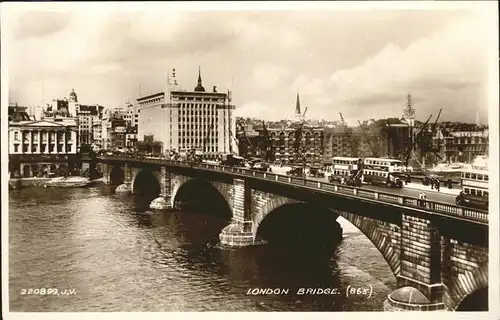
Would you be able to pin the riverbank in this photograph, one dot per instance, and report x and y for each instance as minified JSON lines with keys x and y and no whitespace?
{"x":19,"y":183}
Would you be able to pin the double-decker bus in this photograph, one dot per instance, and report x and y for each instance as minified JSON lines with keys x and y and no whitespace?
{"x":475,"y":186}
{"x":383,"y":171}
{"x":347,"y":168}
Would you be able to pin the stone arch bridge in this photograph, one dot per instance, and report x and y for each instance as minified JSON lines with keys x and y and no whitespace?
{"x":437,"y":252}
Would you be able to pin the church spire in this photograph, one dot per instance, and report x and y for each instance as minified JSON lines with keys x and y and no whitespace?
{"x":199,"y":87}
{"x":297,"y":105}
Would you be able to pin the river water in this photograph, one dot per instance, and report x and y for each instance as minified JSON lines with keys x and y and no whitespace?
{"x":103,"y":252}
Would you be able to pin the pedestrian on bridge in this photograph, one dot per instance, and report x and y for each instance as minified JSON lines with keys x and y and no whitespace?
{"x":422,"y":197}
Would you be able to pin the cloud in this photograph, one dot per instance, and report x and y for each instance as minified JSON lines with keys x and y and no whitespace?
{"x":310,"y":86}
{"x":438,"y":70}
{"x":268,"y":76}
{"x":256,"y":110}
{"x":39,"y":24}
{"x":334,"y":64}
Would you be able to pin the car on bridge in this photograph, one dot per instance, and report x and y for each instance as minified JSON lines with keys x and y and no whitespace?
{"x":296,"y":171}
{"x":260,"y":166}
{"x":233,"y":160}
{"x":316,"y":172}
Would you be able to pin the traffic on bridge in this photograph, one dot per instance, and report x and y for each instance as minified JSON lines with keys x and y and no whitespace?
{"x":401,"y":199}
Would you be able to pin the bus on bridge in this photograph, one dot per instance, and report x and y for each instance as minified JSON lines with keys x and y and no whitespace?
{"x":475,"y":187}
{"x":382,"y":171}
{"x":346,"y":168}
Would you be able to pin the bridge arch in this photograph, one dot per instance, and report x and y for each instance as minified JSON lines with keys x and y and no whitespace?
{"x":270,"y":205}
{"x":372,"y":229}
{"x":307,"y":224}
{"x":146,"y":182}
{"x":469,"y":288}
{"x":387,"y":245}
{"x":116,"y":176}
{"x":203,"y":196}
{"x":476,"y":301}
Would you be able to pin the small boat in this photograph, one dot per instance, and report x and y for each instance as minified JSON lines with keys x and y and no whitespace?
{"x":67,"y":182}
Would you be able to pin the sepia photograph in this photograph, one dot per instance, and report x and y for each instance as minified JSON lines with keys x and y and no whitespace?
{"x":233,"y":157}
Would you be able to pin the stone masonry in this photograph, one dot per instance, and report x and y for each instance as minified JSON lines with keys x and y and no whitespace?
{"x":164,"y":200}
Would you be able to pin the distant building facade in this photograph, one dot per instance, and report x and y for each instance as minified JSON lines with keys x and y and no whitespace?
{"x":113,"y":129}
{"x":465,"y":146}
{"x":85,"y":115}
{"x":292,"y":148}
{"x":131,"y":137}
{"x":186,"y":120}
{"x":338,"y":142}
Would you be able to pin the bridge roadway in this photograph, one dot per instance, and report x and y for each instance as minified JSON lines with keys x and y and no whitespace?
{"x":430,"y":206}
{"x":431,"y":195}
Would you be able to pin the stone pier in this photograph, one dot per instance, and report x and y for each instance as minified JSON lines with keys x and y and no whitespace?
{"x":239,"y":233}
{"x":126,"y":187}
{"x":164,"y":200}
{"x":420,"y":276}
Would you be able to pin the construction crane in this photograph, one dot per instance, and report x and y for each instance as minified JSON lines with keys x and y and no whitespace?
{"x":354,"y":150}
{"x":433,"y":134}
{"x":415,"y":138}
{"x":235,"y":140}
{"x":435,"y":122}
{"x":375,"y":153}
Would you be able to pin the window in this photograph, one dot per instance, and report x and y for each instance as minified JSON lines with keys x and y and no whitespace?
{"x":473,"y":192}
{"x":16,"y":147}
{"x":16,"y":136}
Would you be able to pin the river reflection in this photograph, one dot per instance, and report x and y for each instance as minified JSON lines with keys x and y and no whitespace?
{"x":121,"y":256}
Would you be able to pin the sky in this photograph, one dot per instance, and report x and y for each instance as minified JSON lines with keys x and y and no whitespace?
{"x":361,"y":63}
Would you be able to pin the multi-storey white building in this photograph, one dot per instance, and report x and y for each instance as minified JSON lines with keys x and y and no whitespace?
{"x":57,"y":136}
{"x":42,"y":146}
{"x":186,"y":120}
{"x":97,"y":134}
{"x":131,"y":115}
